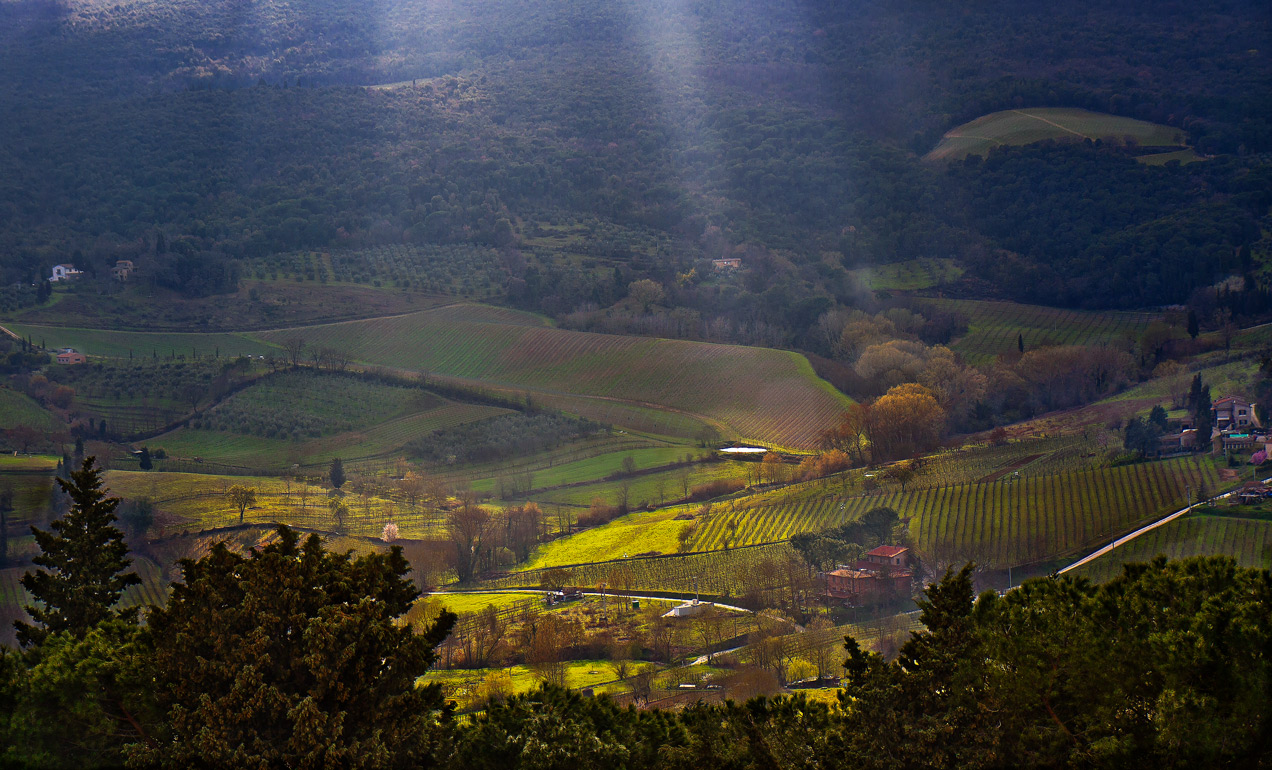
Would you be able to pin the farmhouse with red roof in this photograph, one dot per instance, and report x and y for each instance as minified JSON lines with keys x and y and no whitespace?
{"x":882,"y":574}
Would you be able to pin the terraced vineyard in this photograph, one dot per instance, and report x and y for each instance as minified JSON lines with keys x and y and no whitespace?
{"x":999,"y":523}
{"x":1249,"y":541}
{"x":993,"y":327}
{"x":758,"y":393}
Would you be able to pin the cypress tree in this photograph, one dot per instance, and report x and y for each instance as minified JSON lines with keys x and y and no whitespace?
{"x":86,"y":558}
{"x":337,"y":473}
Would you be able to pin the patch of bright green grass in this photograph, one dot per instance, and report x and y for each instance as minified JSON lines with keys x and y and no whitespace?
{"x":628,"y":535}
{"x":467,"y":604}
{"x":10,"y":462}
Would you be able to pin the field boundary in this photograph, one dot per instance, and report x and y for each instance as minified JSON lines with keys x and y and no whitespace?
{"x":1142,"y":530}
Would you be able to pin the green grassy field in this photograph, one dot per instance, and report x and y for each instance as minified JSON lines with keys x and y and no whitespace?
{"x":20,"y":409}
{"x":461,"y":685}
{"x":266,"y":453}
{"x":1249,"y":541}
{"x":467,"y":604}
{"x":1162,"y":158}
{"x":192,"y":502}
{"x":716,"y":573}
{"x":636,"y":533}
{"x":994,"y":327}
{"x":1017,"y":127}
{"x":757,"y":393}
{"x":598,"y":467}
{"x":28,"y":462}
{"x":122,"y":344}
{"x":911,"y":275}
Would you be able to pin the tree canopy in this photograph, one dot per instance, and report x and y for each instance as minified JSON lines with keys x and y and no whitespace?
{"x":85,"y":559}
{"x":293,"y":656}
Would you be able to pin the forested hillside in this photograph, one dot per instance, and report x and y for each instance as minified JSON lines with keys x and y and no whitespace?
{"x":192,"y":136}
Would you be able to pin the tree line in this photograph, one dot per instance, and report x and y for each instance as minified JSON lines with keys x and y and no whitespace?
{"x":291,"y":655}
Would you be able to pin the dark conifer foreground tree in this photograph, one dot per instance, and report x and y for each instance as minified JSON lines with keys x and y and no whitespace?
{"x":86,"y":559}
{"x":294,"y":657}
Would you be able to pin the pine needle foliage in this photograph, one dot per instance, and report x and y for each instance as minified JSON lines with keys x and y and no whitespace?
{"x":294,"y":656}
{"x":85,"y":559}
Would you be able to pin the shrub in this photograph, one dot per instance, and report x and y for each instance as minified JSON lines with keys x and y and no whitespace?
{"x":716,"y":488}
{"x":599,"y":513}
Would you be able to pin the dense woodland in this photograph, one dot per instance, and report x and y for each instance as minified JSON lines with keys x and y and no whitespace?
{"x":192,"y":138}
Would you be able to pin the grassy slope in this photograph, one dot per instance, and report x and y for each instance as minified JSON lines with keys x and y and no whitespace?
{"x":19,"y":409}
{"x":645,"y":489}
{"x":994,"y":327}
{"x":910,"y":275}
{"x":758,"y":393}
{"x":597,"y":467}
{"x":628,"y":535}
{"x":122,"y":344}
{"x":378,"y":419}
{"x":1016,"y":127}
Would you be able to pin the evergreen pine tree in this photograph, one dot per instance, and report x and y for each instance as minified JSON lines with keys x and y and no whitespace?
{"x":293,"y":656}
{"x":1020,"y":342}
{"x":337,"y":473}
{"x":86,"y":558}
{"x":145,"y":459}
{"x":1194,"y":328}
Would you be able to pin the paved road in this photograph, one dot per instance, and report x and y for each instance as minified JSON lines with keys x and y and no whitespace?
{"x":1148,"y":528}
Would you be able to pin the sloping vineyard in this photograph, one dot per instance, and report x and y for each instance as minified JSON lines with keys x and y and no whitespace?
{"x":1249,"y":541}
{"x":999,"y":523}
{"x":994,"y":328}
{"x":763,"y":394}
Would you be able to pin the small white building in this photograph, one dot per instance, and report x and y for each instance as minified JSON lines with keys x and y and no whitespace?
{"x":63,"y":272}
{"x":689,"y":609}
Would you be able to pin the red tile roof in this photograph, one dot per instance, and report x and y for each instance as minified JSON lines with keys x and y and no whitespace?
{"x":887,"y":551}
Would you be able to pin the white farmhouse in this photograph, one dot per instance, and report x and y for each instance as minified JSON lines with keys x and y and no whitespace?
{"x":63,"y":272}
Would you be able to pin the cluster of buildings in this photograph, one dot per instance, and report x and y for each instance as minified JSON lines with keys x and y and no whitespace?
{"x":65,"y":272}
{"x":882,"y":574}
{"x":1234,"y":426}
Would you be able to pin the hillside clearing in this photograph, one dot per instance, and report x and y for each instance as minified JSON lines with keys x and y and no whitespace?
{"x":1026,"y":126}
{"x":995,"y":328}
